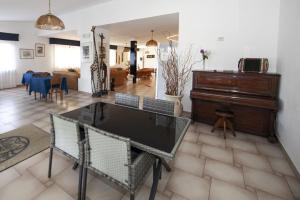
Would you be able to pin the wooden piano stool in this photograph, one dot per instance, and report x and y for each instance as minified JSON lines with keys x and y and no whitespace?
{"x":225,"y":119}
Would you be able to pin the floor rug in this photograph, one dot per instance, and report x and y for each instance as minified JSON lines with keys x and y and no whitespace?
{"x":22,"y":143}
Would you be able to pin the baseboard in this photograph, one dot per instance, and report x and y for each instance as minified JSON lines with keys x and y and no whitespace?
{"x":290,"y":161}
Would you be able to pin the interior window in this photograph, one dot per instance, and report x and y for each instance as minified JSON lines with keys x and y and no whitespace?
{"x":112,"y":57}
{"x":7,"y":56}
{"x":66,"y":56}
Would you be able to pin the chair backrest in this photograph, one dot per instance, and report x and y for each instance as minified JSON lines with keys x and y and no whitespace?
{"x":127,"y":100}
{"x":108,"y":154}
{"x":41,"y":74}
{"x":158,"y":105}
{"x":56,"y":79}
{"x":65,"y":135}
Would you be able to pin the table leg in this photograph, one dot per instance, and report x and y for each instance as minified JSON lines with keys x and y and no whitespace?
{"x":156,"y":176}
{"x":34,"y":95}
{"x":166,"y":165}
{"x":75,"y":166}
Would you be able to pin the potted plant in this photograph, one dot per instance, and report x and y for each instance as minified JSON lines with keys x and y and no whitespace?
{"x":176,"y":70}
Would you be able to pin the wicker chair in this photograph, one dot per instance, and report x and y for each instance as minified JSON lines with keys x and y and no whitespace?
{"x":65,"y":138}
{"x":158,"y":105}
{"x":127,"y":100}
{"x":111,"y":156}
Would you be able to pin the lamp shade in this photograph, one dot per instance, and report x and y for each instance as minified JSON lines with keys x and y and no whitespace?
{"x":151,"y":43}
{"x":49,"y":22}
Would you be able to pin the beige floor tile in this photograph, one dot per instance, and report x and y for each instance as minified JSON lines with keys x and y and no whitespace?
{"x":68,"y":180}
{"x":40,"y":170}
{"x":191,"y":137}
{"x":281,"y":165}
{"x":98,"y":189}
{"x":162,"y":184}
{"x":257,"y":139}
{"x":241,"y":145}
{"x":225,"y":172}
{"x":53,"y":192}
{"x":212,"y":140}
{"x":252,"y":160}
{"x":221,"y":190}
{"x":177,"y":197}
{"x":265,"y":196}
{"x":205,"y":128}
{"x":189,"y":186}
{"x":216,"y":153}
{"x":294,"y":185}
{"x":189,"y":164}
{"x":270,"y":150}
{"x":22,"y":166}
{"x":190,"y":148}
{"x":143,"y":194}
{"x":267,"y":182}
{"x":8,"y":176}
{"x":25,"y":187}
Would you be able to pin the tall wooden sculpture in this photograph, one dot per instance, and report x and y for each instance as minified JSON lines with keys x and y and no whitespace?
{"x":98,"y":69}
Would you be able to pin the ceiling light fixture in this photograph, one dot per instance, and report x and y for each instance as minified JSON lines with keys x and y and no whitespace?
{"x":173,"y":38}
{"x":152,"y":42}
{"x":49,"y":22}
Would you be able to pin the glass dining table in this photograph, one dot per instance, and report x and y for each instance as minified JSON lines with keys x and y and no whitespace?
{"x":155,"y":133}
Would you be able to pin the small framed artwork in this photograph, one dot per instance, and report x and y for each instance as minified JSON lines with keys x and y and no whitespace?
{"x":39,"y":50}
{"x":150,"y":56}
{"x":26,"y":53}
{"x":86,"y":52}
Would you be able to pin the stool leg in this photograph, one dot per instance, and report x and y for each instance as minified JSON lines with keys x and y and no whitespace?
{"x":216,"y":125}
{"x":230,"y":125}
{"x":224,"y":125}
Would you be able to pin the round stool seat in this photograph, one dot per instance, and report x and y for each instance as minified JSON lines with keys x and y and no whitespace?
{"x":222,"y":113}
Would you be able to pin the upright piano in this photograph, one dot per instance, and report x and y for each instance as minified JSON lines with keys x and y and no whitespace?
{"x":252,"y":97}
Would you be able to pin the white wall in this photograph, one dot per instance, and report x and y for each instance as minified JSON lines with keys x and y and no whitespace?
{"x":28,"y":37}
{"x":249,"y":27}
{"x":86,"y":36}
{"x":289,"y":67}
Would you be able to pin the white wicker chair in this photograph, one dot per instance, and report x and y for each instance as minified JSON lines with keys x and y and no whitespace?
{"x":127,"y":100}
{"x":110,"y":156}
{"x":158,"y":105}
{"x":65,"y":138}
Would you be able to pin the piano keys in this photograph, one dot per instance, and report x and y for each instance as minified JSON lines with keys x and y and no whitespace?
{"x":252,"y":97}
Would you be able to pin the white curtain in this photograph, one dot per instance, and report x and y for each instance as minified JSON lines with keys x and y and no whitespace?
{"x":7,"y":64}
{"x":66,"y":56}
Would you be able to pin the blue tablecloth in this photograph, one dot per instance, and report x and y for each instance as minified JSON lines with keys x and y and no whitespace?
{"x":40,"y":84}
{"x":43,"y":85}
{"x":26,"y":78}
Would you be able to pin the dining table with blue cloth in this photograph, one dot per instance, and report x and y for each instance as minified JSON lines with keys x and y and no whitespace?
{"x":42,"y":85}
{"x":26,"y":78}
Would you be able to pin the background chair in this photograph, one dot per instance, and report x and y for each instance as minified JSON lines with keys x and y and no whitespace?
{"x":56,"y":86}
{"x":127,"y":100}
{"x":65,"y":136}
{"x":158,"y":105}
{"x":110,"y":156}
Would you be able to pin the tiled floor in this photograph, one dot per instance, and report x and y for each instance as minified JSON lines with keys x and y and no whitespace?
{"x":206,"y":167}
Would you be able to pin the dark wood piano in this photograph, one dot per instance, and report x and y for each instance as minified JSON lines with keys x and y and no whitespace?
{"x":252,"y":97}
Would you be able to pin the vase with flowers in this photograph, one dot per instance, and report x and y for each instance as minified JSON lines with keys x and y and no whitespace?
{"x":205,"y":54}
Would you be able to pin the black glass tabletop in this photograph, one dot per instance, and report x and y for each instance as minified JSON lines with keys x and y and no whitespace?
{"x":158,"y":132}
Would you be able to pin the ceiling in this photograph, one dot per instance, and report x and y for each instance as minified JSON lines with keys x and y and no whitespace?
{"x":140,"y":30}
{"x":29,"y":10}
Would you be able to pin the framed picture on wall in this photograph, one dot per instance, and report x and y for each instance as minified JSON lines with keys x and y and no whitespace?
{"x":39,"y":50}
{"x":86,"y":52}
{"x":26,"y":53}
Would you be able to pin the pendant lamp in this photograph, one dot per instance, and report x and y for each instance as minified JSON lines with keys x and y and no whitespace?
{"x":49,"y":22}
{"x":152,"y":42}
